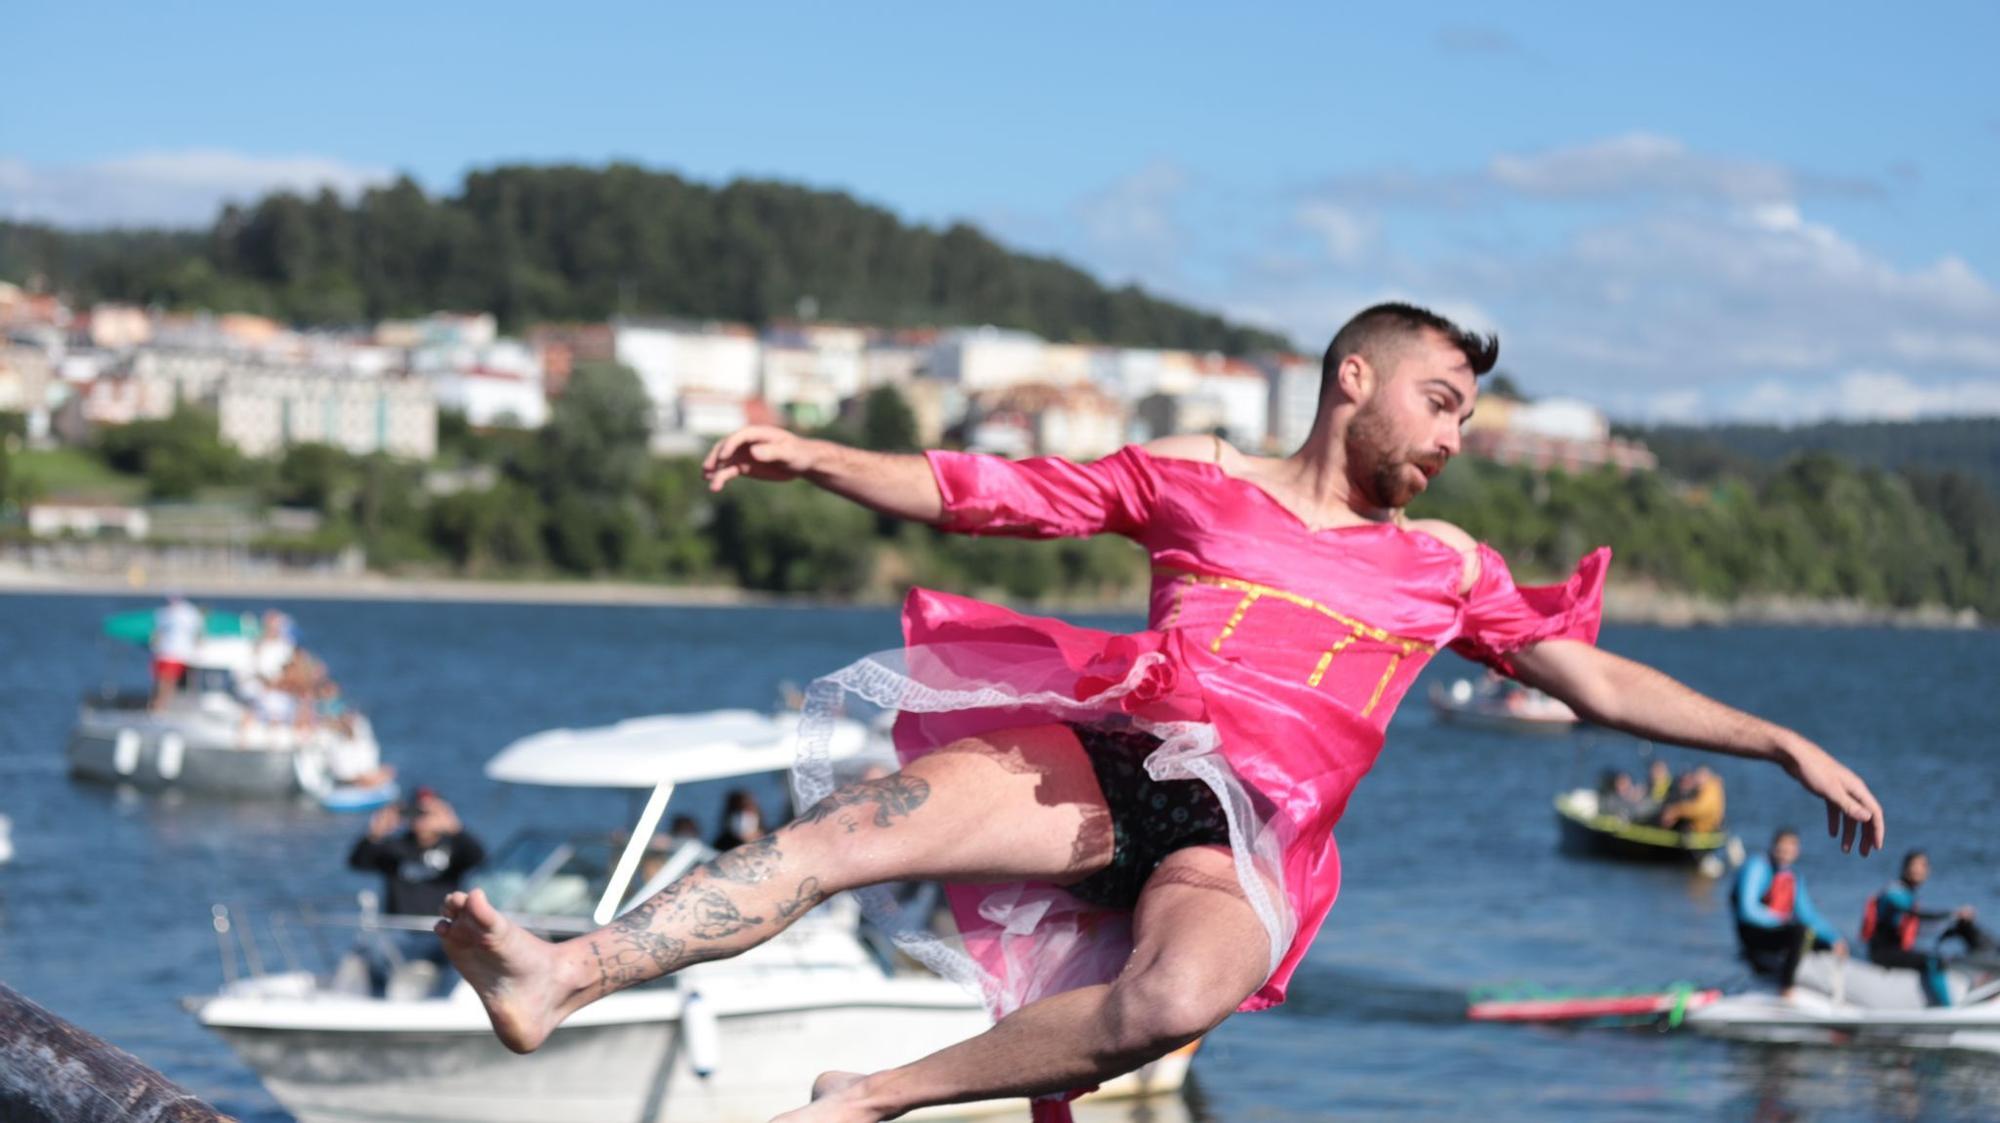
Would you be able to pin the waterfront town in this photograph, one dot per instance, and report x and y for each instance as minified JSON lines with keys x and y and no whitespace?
{"x":70,"y":372}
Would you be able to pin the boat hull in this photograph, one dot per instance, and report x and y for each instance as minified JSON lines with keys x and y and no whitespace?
{"x":1844,"y":1002}
{"x":1605,"y":836}
{"x":1474,"y":718}
{"x":616,"y":1072}
{"x":200,"y":753}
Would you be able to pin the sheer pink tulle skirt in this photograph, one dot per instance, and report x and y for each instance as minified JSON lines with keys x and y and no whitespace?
{"x":1018,"y":942}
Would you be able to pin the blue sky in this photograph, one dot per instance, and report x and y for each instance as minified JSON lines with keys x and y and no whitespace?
{"x":1777,"y":211}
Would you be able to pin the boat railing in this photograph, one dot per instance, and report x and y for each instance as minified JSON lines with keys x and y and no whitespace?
{"x":296,"y":941}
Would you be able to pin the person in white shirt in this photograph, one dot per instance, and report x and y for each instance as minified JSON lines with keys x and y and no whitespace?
{"x":177,"y":629}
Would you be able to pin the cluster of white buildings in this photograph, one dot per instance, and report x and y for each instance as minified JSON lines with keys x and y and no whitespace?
{"x":71,"y":372}
{"x":992,"y":389}
{"x":987,"y":388}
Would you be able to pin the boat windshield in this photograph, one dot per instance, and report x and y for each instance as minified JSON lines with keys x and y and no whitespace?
{"x":549,"y":873}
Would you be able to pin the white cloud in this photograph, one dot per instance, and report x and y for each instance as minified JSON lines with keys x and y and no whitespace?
{"x":164,"y":188}
{"x":1346,"y":234}
{"x":1639,"y":164}
{"x":1654,"y":279}
{"x":1865,"y":395}
{"x":1130,"y":226}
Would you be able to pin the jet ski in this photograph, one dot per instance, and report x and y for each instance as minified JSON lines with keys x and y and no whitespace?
{"x":1839,"y":1001}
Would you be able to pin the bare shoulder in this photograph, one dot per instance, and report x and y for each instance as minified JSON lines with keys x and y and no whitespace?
{"x":1446,"y":533}
{"x":1457,"y":539}
{"x":1193,"y":446}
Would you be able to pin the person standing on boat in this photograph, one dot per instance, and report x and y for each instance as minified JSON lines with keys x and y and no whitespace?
{"x":1891,"y":922}
{"x":177,"y":629}
{"x":742,"y":820}
{"x":1776,"y":923}
{"x":421,"y":850}
{"x":1136,"y":831}
{"x":423,"y":853}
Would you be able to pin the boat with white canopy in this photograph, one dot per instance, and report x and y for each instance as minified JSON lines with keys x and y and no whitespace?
{"x":733,"y":1040}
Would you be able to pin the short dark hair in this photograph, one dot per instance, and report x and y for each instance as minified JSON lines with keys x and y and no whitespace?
{"x":1911,"y":857}
{"x":1784,"y":832}
{"x":1373,"y":329}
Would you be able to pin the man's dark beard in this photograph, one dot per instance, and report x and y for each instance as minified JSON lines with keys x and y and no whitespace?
{"x":1376,"y":472}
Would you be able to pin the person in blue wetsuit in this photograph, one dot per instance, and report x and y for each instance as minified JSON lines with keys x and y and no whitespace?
{"x":1890,"y":924}
{"x":1776,"y":922}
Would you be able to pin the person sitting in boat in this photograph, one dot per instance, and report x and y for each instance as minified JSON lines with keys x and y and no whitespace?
{"x":1698,"y":803}
{"x":742,"y":821}
{"x":1659,"y":786}
{"x":1776,"y":923}
{"x":423,"y":853}
{"x":1619,"y":795}
{"x":1891,"y":920}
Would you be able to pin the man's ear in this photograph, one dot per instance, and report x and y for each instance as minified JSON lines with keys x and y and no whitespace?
{"x":1357,"y":379}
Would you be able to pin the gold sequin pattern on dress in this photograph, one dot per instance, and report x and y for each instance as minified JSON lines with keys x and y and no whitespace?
{"x":1356,"y":629}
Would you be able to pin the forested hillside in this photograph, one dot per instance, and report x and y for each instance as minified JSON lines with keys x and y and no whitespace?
{"x":1966,"y":445}
{"x":575,"y":243}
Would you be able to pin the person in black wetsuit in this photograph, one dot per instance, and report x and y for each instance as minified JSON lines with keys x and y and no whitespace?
{"x":1891,"y":921}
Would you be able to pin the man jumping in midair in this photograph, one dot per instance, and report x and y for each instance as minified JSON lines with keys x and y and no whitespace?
{"x":1136,"y":831}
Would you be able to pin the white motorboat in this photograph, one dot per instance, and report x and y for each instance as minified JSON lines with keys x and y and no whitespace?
{"x":208,"y":737}
{"x":1501,"y":704}
{"x":733,"y":1040}
{"x":1847,"y":1001}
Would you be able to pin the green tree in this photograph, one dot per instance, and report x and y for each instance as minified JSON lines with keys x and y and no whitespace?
{"x":493,"y":531}
{"x":794,"y":538}
{"x":318,"y":476}
{"x":887,"y":423}
{"x":177,"y":455}
{"x":595,"y":442}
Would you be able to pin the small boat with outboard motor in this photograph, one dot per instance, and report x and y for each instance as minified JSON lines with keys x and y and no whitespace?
{"x":1589,"y":826}
{"x":730,"y":1041}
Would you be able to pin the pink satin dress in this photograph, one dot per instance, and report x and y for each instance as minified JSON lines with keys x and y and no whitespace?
{"x":1273,"y":661}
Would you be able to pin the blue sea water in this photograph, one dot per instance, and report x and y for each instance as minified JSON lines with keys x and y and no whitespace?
{"x":1452,"y":875}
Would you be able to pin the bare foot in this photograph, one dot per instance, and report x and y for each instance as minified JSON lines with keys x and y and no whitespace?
{"x":836,"y":1098}
{"x":832,"y":1082}
{"x":520,"y":978}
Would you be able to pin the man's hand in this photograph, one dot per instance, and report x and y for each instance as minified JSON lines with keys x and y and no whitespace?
{"x":1840,"y":949}
{"x":1620,"y":694}
{"x":1851,"y":808}
{"x":890,"y":483}
{"x":384,"y":822}
{"x":761,"y":452}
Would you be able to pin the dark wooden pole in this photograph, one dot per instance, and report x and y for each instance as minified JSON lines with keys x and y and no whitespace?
{"x":53,"y":1072}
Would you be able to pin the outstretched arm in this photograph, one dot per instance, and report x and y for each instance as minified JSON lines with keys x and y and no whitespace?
{"x":1040,"y":497}
{"x":1621,"y":694}
{"x":898,"y":484}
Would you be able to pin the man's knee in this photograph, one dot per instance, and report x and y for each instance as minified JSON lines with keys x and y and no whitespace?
{"x":1165,"y":1006}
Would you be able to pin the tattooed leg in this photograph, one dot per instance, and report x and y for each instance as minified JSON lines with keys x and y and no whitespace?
{"x":1012,"y":805}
